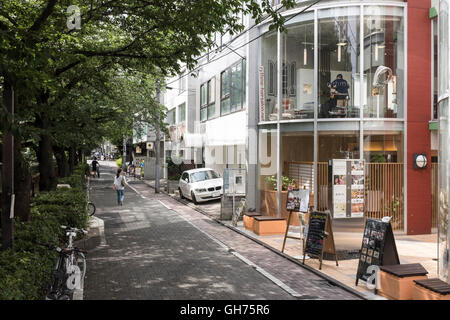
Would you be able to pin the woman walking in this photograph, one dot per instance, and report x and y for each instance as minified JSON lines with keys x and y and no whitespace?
{"x":119,"y":186}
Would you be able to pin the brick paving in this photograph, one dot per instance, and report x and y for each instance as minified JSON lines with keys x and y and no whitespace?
{"x":299,"y":279}
{"x":152,"y":252}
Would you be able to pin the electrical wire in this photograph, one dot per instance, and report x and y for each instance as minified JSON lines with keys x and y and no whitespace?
{"x":246,"y":43}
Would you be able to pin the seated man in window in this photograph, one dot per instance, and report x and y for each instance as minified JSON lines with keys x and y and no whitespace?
{"x":341,"y":86}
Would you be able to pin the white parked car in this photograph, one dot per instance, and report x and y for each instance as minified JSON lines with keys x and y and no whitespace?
{"x":200,"y":185}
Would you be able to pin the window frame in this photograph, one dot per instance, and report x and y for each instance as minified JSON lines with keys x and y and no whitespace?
{"x":174,"y":116}
{"x":182,"y":83}
{"x":229,"y":95}
{"x":179,"y":113}
{"x":210,"y":99}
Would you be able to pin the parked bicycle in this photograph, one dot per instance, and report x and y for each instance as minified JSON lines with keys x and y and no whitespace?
{"x":70,"y":268}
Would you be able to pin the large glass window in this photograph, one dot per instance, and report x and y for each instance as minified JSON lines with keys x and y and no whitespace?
{"x":233,"y":84}
{"x":170,"y":119}
{"x":443,"y":47}
{"x":383,"y":61}
{"x":383,"y":148}
{"x":267,"y":167}
{"x":267,"y":83}
{"x":298,"y":69}
{"x":207,"y":100}
{"x":434,"y":63}
{"x":203,"y":102}
{"x":182,"y":83}
{"x":444,"y":140}
{"x":339,"y":60}
{"x":444,"y":188}
{"x":297,"y":160}
{"x":182,"y":112}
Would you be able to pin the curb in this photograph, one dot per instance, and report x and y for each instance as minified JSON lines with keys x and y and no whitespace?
{"x":316,"y":272}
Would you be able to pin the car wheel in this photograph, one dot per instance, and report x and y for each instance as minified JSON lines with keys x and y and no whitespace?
{"x":194,"y":200}
{"x":181,"y":193}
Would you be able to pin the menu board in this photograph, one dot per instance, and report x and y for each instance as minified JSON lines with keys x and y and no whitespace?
{"x":298,"y":200}
{"x":316,"y":233}
{"x":348,"y":188}
{"x":378,"y":247}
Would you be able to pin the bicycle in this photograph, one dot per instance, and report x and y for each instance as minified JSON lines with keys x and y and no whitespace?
{"x":70,"y":268}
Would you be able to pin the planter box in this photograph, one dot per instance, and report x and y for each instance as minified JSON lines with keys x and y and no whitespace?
{"x":397,"y":281}
{"x":270,"y":197}
{"x":431,"y":289}
{"x":266,"y":225}
{"x":396,"y":288}
{"x":249,"y":219}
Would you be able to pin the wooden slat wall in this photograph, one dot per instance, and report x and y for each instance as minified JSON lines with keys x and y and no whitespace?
{"x":322,"y":182}
{"x":383,"y":189}
{"x":384,"y":192}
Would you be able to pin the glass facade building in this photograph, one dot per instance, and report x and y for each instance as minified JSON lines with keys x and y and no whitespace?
{"x":444,"y":135}
{"x":335,"y":86}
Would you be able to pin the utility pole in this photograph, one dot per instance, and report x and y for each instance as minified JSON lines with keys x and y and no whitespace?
{"x":8,"y":173}
{"x":157,"y":142}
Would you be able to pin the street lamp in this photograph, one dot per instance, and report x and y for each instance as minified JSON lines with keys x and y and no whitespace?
{"x":420,"y":161}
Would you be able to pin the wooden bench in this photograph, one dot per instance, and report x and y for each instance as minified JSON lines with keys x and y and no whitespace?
{"x":268,"y":225}
{"x":249,"y":218}
{"x":397,"y":281}
{"x":431,"y":289}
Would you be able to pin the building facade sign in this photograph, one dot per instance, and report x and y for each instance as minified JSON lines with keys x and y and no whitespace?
{"x":261,"y":92}
{"x":348,"y":188}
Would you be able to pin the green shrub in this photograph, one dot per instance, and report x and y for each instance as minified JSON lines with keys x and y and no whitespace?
{"x":285,"y":182}
{"x":25,"y":274}
{"x":119,"y":162}
{"x":26,"y":271}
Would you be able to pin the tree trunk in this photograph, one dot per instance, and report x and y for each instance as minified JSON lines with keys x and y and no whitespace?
{"x":22,"y":183}
{"x":80,"y":156}
{"x":61,"y":160}
{"x":72,"y":157}
{"x":47,"y":172}
{"x":7,"y":172}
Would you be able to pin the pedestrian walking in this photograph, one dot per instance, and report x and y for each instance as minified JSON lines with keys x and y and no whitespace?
{"x":119,"y":186}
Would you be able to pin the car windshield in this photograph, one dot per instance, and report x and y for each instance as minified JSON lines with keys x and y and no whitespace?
{"x":204,"y":175}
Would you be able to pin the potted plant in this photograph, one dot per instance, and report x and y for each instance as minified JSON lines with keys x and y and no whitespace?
{"x":270,"y":196}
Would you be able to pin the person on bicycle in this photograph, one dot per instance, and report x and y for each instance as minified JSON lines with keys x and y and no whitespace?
{"x":95,"y":168}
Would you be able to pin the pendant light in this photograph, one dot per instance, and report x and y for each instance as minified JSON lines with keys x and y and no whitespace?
{"x":376,"y":52}
{"x":305,"y":51}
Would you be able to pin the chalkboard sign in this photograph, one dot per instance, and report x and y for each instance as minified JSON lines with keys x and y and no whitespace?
{"x":378,"y":247}
{"x":320,"y":238}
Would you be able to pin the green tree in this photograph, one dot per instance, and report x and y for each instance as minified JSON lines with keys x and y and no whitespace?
{"x":51,"y":67}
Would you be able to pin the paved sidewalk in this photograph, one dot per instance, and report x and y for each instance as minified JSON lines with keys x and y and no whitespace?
{"x":304,"y":282}
{"x":412,"y":249}
{"x":151,"y":252}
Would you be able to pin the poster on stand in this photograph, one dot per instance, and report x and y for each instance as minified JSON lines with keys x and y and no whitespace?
{"x":298,"y":200}
{"x":348,"y":188}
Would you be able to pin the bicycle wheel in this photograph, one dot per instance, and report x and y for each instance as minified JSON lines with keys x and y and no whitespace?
{"x":91,"y":209}
{"x":57,"y":287}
